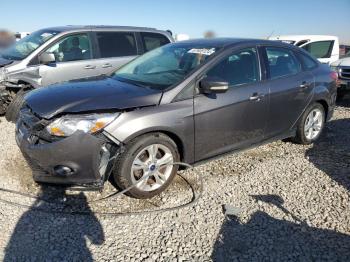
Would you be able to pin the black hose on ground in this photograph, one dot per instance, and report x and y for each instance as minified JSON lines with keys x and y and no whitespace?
{"x":112,"y":195}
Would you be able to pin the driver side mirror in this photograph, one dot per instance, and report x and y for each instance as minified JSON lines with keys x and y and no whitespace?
{"x":47,"y":58}
{"x":210,"y":85}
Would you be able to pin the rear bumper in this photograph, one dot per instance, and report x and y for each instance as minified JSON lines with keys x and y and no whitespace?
{"x":87,"y":156}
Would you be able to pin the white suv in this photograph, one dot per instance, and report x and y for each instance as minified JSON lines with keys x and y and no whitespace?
{"x":324,"y":47}
{"x":342,"y":67}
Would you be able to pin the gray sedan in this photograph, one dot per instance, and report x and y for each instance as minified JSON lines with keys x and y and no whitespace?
{"x":189,"y":101}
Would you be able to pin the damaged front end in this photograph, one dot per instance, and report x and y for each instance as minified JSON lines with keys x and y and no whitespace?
{"x":80,"y":160}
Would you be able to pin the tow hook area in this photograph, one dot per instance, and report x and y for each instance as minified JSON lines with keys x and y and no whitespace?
{"x":108,"y":154}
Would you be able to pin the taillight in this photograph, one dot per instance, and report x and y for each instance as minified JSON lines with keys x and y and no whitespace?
{"x":334,"y":75}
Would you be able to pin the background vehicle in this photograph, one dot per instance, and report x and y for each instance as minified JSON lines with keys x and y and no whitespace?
{"x":342,"y":67}
{"x":59,"y":54}
{"x":20,"y":35}
{"x":344,"y":51}
{"x":325,"y":48}
{"x":189,"y":101}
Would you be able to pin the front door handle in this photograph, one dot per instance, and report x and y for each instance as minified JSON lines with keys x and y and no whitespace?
{"x":90,"y":67}
{"x":256,"y":97}
{"x":107,"y":65}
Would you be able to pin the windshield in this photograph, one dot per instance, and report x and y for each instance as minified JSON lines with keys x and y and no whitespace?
{"x":27,"y":45}
{"x":164,"y":66}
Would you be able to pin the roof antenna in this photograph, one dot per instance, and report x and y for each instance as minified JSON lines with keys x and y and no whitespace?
{"x":270,"y":34}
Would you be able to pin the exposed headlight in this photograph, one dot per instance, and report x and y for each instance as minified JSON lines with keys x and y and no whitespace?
{"x":67,"y":125}
{"x":335,"y":68}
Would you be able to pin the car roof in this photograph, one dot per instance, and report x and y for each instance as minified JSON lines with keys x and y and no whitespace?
{"x":102,"y":27}
{"x":228,"y":42}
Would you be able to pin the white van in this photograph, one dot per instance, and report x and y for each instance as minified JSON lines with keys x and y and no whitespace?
{"x":324,"y":47}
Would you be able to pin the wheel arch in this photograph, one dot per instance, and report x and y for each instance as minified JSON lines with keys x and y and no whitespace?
{"x":325,"y":106}
{"x":175,"y":137}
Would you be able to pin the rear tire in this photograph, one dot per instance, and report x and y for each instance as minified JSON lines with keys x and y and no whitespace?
{"x":137,"y":161}
{"x":310,"y":125}
{"x":14,"y":107}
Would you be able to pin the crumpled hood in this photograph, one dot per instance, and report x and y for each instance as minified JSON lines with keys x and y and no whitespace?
{"x":84,"y":95}
{"x":342,"y":62}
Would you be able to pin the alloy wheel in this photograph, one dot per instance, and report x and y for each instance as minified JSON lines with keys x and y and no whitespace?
{"x":313,"y":124}
{"x":154,"y":161}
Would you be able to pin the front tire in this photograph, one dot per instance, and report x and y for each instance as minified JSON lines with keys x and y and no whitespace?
{"x":311,"y":125}
{"x":14,"y":107}
{"x":5,"y":99}
{"x":148,"y":155}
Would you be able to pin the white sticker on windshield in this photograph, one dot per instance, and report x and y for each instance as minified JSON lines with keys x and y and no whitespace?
{"x":202,"y":51}
{"x":45,"y":35}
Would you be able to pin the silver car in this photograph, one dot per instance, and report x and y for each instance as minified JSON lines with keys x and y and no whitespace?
{"x":59,"y":54}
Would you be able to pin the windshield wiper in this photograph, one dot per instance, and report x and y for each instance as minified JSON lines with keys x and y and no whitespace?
{"x":178,"y":71}
{"x":130,"y":81}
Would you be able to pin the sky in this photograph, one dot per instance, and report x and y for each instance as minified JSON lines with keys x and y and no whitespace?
{"x":227,"y":18}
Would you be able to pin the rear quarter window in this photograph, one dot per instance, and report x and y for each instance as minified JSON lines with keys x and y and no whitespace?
{"x":320,"y":49}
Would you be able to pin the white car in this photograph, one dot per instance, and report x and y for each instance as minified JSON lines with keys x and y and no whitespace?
{"x":324,"y":47}
{"x":20,"y":35}
{"x":342,"y":67}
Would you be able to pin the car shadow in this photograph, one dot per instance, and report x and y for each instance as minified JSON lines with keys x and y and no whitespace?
{"x":45,"y":236}
{"x":265,"y":238}
{"x":331,"y":153}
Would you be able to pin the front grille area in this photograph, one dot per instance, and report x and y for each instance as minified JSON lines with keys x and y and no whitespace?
{"x":29,"y":120}
{"x":345,"y":72}
{"x":31,"y":124}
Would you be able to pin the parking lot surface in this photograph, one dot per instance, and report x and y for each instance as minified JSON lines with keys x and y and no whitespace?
{"x":292,"y":202}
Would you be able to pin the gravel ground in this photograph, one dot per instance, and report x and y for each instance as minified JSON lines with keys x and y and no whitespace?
{"x":291,"y":203}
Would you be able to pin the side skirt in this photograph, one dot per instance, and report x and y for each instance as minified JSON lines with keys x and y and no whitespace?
{"x":289,"y":134}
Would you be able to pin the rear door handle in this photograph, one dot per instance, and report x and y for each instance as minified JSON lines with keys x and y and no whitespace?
{"x":256,"y":97}
{"x":107,"y":65}
{"x":90,"y":67}
{"x":304,"y":85}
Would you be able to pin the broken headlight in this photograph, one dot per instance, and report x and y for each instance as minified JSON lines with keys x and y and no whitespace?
{"x":68,"y":124}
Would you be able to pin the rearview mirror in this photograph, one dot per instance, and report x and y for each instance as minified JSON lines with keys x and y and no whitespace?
{"x":47,"y":58}
{"x":210,"y":85}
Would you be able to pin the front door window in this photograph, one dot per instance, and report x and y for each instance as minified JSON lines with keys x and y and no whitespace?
{"x":238,"y":69}
{"x":72,"y":48}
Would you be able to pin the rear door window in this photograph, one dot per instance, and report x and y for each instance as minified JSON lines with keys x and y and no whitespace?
{"x":282,"y":62}
{"x":307,"y":61}
{"x":320,"y":49}
{"x":116,"y":44}
{"x":153,"y":40}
